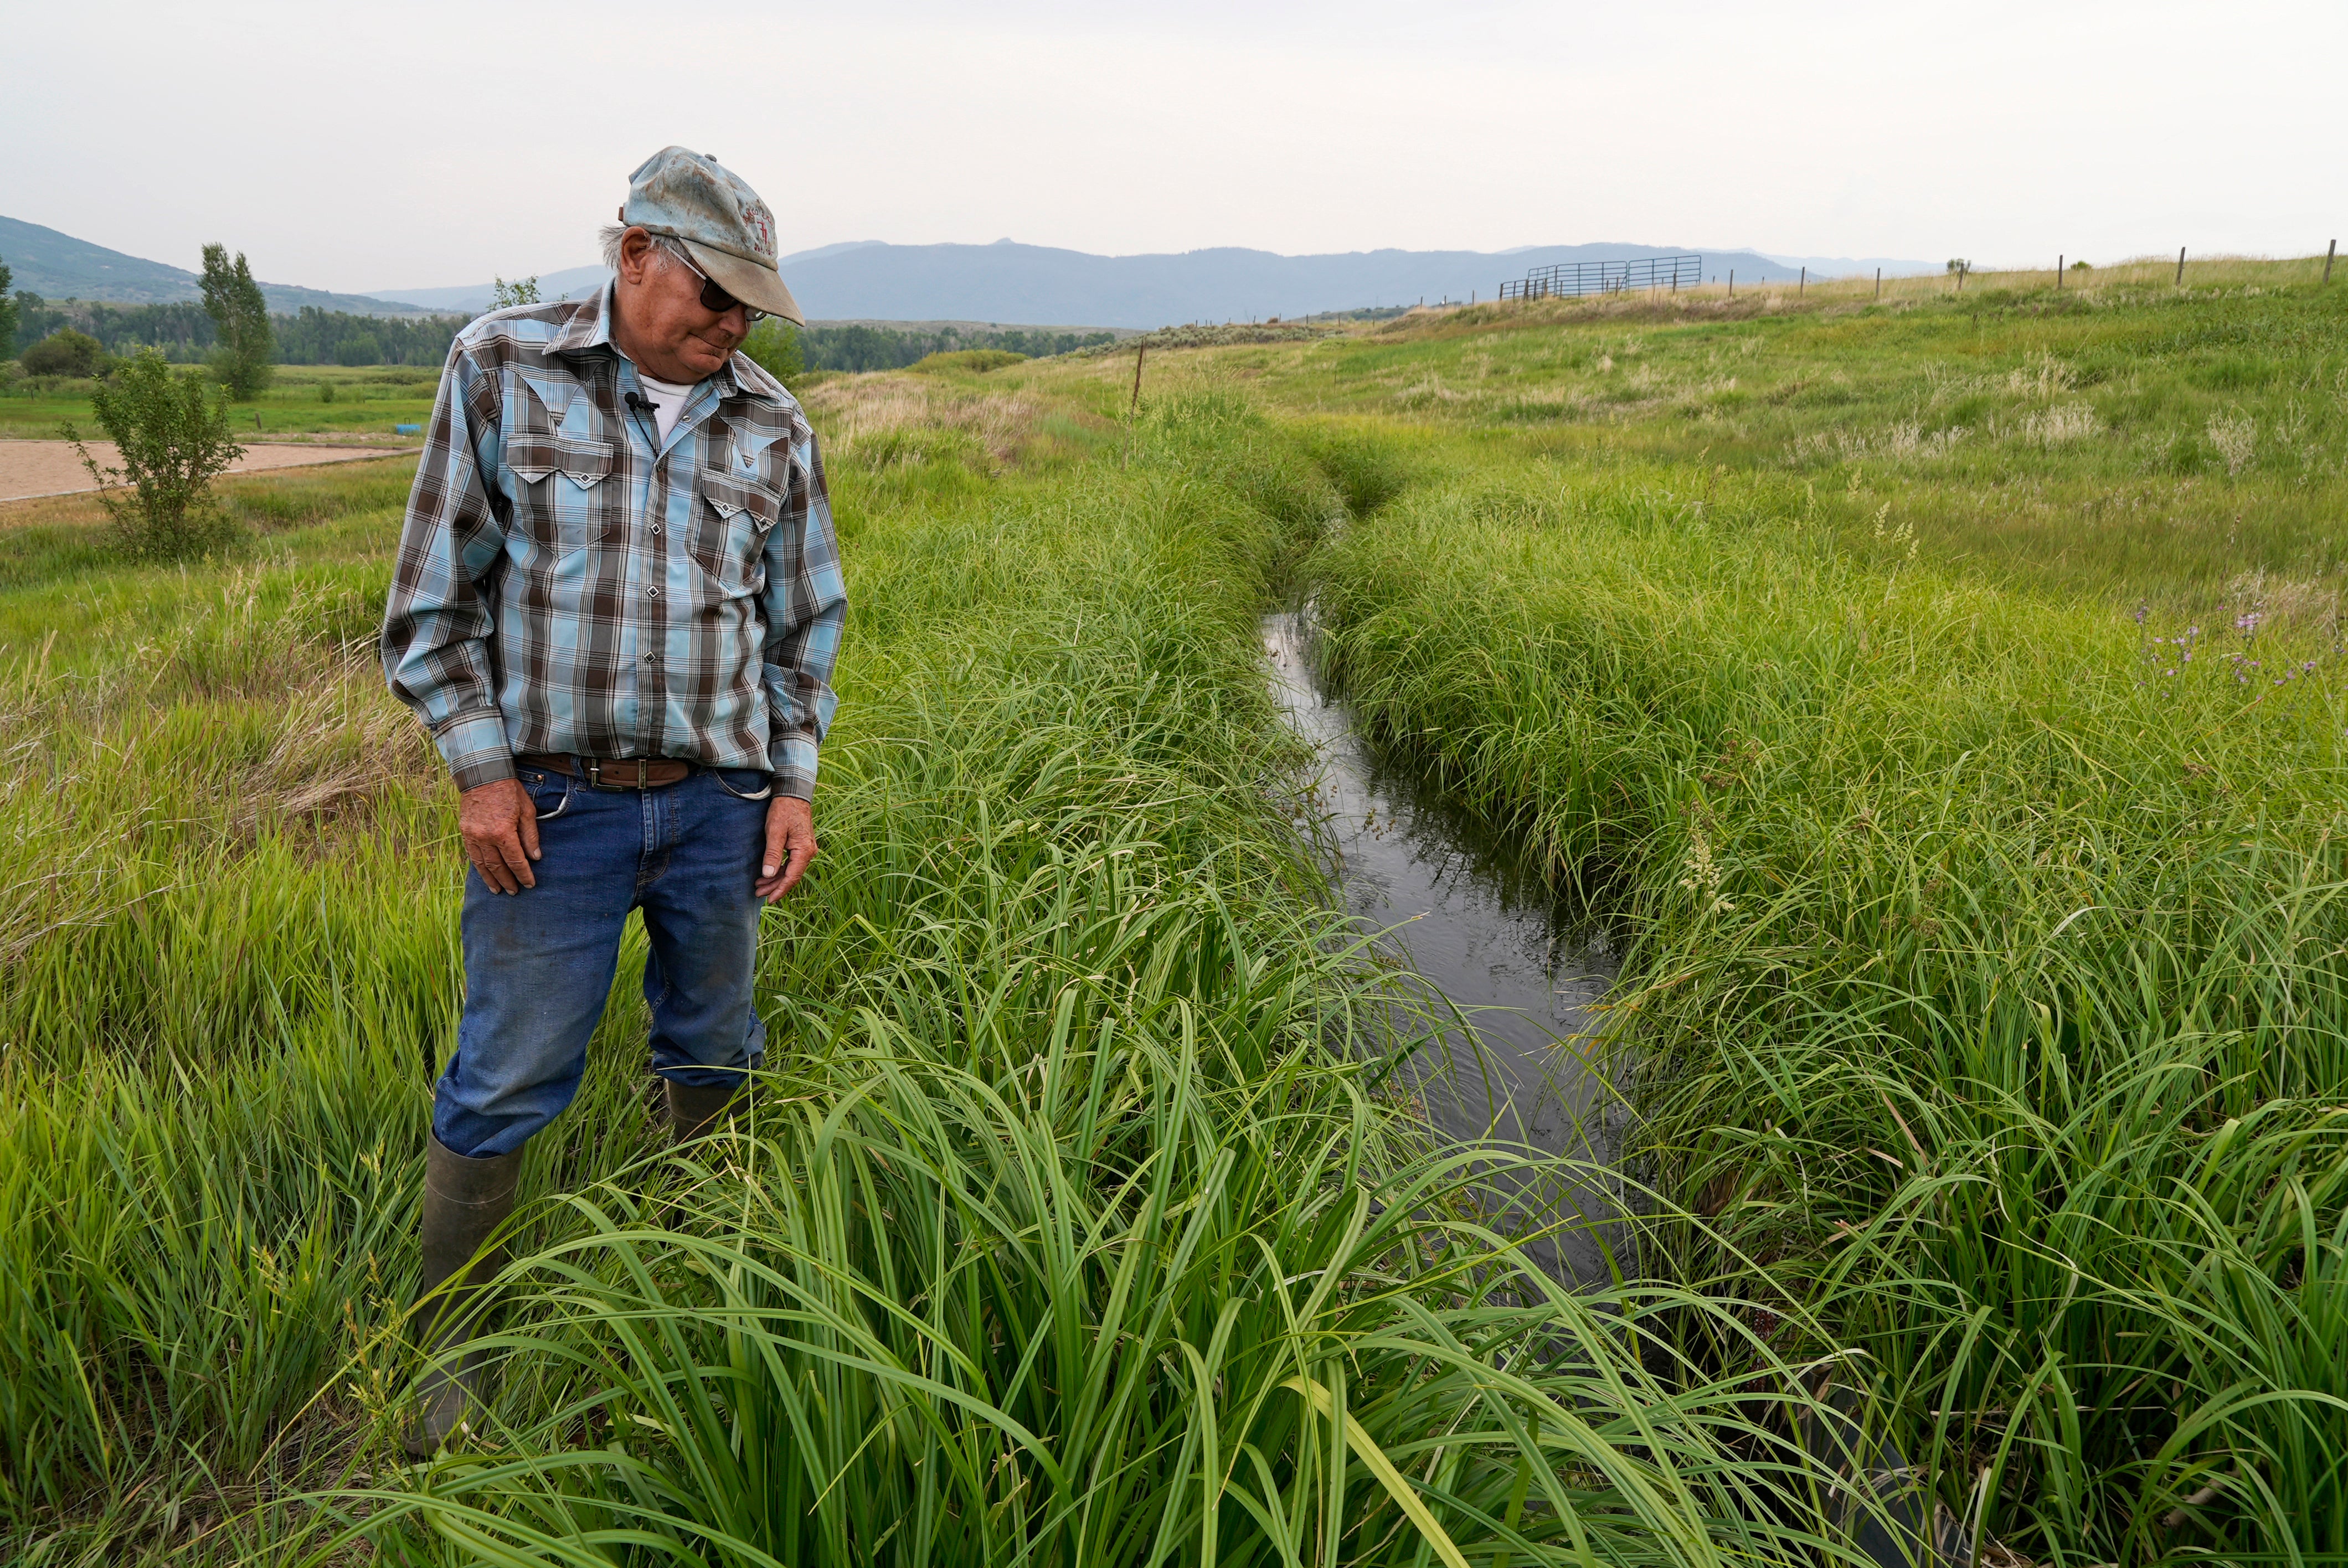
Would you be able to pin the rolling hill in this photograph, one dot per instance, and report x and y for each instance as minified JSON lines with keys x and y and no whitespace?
{"x":59,"y":267}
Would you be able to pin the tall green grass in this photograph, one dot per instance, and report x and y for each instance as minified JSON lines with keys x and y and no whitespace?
{"x":1986,"y":983}
{"x":1076,"y":1222}
{"x":1079,"y":1231}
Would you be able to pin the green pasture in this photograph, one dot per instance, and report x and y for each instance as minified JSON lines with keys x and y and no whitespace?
{"x":1941,"y":695}
{"x":2120,"y":437}
{"x":300,"y":399}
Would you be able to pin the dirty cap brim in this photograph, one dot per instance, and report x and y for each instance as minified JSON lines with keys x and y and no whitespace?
{"x":760,"y":288}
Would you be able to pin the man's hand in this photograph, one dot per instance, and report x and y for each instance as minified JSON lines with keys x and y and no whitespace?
{"x":500,"y":829}
{"x":791,"y":844}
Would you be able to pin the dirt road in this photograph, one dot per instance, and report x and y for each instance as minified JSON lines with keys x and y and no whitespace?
{"x":29,"y":468}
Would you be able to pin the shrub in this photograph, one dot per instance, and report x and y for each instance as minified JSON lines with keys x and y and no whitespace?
{"x":980,"y":360}
{"x":64,"y":351}
{"x":773,"y":346}
{"x":172,"y":440}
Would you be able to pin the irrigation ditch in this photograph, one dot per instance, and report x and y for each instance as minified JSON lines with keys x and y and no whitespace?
{"x":1521,"y":1068}
{"x":1479,"y":925}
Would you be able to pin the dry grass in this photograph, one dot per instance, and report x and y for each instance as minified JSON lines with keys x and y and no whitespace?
{"x":1714,"y":303}
{"x":859,"y":412}
{"x":52,"y":511}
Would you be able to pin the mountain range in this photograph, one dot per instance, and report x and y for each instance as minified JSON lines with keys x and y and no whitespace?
{"x":1005,"y":284}
{"x":1011,"y":283}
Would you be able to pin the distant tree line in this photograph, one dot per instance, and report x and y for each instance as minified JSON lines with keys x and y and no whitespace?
{"x":862,"y":347}
{"x":186,"y":334}
{"x":337,"y":337}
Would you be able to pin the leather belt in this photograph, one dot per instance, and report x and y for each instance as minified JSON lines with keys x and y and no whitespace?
{"x":612,"y":772}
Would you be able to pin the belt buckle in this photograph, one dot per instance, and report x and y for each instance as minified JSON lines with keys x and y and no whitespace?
{"x":594,"y":770}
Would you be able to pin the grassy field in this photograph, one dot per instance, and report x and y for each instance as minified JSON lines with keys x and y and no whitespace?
{"x":1945,"y":697}
{"x":321,"y":398}
{"x":1079,"y":1222}
{"x":1986,"y":989}
{"x":2121,"y":437}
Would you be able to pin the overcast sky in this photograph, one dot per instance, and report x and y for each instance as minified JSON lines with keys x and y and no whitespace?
{"x":369,"y":148}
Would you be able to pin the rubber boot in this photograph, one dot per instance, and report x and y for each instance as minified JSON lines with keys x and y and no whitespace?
{"x":465,"y":1200}
{"x":693,"y":1111}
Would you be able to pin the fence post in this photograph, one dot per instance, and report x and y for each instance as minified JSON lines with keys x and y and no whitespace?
{"x":2059,"y":260}
{"x":2329,"y":251}
{"x":2180,"y":266}
{"x":1804,"y":286}
{"x":1732,"y":282}
{"x":1139,"y":348}
{"x":1879,"y":282}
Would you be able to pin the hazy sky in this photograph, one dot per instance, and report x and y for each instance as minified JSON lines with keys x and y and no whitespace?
{"x":419,"y":143}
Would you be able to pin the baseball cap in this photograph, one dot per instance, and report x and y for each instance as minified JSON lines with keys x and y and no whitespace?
{"x":726,"y":229}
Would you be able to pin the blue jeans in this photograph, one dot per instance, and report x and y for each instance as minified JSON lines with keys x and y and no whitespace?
{"x":538,"y":963}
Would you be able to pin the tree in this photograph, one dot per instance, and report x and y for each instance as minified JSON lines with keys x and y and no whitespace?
{"x":64,"y":351}
{"x":7,"y":312}
{"x":773,"y":346}
{"x":172,"y":440}
{"x":523,"y":292}
{"x":234,"y":301}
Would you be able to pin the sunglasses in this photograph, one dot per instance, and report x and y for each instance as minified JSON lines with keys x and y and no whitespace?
{"x":716,"y":301}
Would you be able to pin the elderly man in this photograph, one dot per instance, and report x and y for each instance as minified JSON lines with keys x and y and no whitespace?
{"x":617,"y":605}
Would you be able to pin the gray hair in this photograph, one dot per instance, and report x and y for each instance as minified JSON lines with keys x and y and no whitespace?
{"x":610,"y":234}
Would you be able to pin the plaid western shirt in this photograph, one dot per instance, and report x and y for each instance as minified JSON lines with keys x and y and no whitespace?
{"x":569,"y":583}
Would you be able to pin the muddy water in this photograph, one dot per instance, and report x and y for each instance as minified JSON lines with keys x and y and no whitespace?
{"x":1479,"y":927}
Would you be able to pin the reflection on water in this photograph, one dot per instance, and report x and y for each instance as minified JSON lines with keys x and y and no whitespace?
{"x":1473,"y":922}
{"x":1481,"y":928}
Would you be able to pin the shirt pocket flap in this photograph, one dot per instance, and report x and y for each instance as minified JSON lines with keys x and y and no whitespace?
{"x":730,"y":496}
{"x":533,"y":456}
{"x":750,"y":444}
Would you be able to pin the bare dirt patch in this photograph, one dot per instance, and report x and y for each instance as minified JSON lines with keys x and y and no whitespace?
{"x":32,"y":468}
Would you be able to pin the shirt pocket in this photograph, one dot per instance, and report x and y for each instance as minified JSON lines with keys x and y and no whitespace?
{"x":560,"y":492}
{"x":730,"y":526}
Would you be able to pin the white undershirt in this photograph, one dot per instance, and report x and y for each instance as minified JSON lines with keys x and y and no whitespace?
{"x":667,"y":398}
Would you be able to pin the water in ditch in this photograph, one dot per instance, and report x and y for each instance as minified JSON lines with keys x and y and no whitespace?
{"x":1478,"y":924}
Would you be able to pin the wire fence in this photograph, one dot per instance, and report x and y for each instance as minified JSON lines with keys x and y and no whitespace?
{"x":1572,"y":278}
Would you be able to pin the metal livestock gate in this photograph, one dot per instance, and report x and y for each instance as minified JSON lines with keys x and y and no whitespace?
{"x":1568,"y":278}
